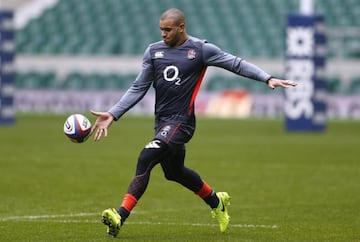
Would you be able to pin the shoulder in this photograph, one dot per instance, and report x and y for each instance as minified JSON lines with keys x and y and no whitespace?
{"x":155,"y":49}
{"x":156,"y":45}
{"x":206,"y":47}
{"x":152,"y":48}
{"x":211,"y":50}
{"x":195,"y":42}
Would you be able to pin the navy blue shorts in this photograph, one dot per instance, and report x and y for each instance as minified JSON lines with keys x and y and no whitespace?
{"x":174,"y":133}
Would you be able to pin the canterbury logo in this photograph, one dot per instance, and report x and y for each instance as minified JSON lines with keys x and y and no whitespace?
{"x":155,"y":144}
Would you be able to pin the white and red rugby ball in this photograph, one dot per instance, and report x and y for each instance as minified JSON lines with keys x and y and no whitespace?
{"x":77,"y":128}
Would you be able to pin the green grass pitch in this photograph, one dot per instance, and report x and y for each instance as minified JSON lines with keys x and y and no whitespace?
{"x":284,"y":186}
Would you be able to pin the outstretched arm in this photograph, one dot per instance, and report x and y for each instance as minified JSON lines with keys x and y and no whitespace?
{"x":132,"y":96}
{"x":137,"y":90}
{"x":214,"y":56}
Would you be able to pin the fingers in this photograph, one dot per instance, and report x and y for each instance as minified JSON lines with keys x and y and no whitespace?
{"x":95,"y":113}
{"x":99,"y":132}
{"x":96,"y":122}
{"x":97,"y":135}
{"x":92,"y":129}
{"x":100,"y":125}
{"x":288,"y":83}
{"x":273,"y":83}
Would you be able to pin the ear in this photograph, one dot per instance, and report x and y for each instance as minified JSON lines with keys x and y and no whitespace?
{"x":182,"y":27}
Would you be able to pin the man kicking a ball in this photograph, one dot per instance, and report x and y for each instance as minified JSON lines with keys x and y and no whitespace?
{"x":175,"y":67}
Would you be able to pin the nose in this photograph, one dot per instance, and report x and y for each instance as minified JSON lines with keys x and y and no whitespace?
{"x":163,"y":33}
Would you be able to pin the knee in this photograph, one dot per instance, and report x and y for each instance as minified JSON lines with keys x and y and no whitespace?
{"x":173,"y":175}
{"x":169,"y":176}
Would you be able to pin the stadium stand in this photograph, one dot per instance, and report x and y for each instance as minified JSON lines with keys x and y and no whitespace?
{"x":35,"y":80}
{"x":120,"y":27}
{"x":73,"y":81}
{"x":354,"y":85}
{"x":113,"y":27}
{"x":333,"y":84}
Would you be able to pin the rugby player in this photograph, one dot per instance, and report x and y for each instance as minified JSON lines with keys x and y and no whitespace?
{"x":175,"y":67}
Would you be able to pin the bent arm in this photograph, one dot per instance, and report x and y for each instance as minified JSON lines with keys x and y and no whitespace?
{"x":137,"y":90}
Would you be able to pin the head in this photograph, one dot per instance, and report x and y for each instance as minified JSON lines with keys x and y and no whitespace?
{"x":172,"y":27}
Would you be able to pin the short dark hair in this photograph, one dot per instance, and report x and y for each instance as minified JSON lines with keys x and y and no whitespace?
{"x":175,"y":14}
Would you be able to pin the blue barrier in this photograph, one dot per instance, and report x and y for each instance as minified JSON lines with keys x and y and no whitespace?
{"x":305,"y":105}
{"x":7,"y":72}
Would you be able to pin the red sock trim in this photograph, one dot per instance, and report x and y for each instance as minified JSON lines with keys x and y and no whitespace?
{"x":205,"y":191}
{"x":129,"y":202}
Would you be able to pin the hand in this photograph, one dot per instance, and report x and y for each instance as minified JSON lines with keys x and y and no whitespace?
{"x":274,"y":82}
{"x":102,"y":123}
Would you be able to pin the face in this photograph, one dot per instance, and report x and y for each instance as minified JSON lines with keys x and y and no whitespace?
{"x":171,"y":33}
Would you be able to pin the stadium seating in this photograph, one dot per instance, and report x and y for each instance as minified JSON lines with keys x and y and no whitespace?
{"x":354,"y":85}
{"x":333,"y":84}
{"x":250,"y":29}
{"x":112,"y":27}
{"x":73,"y":81}
{"x":35,"y":80}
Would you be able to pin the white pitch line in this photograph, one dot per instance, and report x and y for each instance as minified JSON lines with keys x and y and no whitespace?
{"x":44,"y":216}
{"x":55,"y":219}
{"x":209,"y":225}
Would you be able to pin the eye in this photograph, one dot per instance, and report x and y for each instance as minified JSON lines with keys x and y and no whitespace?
{"x":166,"y":29}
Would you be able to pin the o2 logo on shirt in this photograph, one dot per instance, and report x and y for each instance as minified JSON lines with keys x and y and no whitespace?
{"x":171,"y":74}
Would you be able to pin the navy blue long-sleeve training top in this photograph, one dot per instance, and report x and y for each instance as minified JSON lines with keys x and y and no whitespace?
{"x":176,"y":74}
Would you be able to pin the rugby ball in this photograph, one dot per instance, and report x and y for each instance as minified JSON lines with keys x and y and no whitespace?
{"x":77,"y":128}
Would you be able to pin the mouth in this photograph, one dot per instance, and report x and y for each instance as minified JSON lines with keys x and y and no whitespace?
{"x":166,"y":41}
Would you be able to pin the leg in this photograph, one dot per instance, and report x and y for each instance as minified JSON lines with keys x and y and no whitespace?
{"x":175,"y":170}
{"x":148,"y":158}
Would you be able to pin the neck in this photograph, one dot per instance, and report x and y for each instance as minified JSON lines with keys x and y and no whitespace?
{"x":181,"y":40}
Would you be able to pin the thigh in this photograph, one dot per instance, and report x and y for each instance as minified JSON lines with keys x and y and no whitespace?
{"x":174,"y":159}
{"x":153,"y":153}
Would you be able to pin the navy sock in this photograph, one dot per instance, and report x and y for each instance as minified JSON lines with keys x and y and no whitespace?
{"x":212,"y":200}
{"x":124,"y":214}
